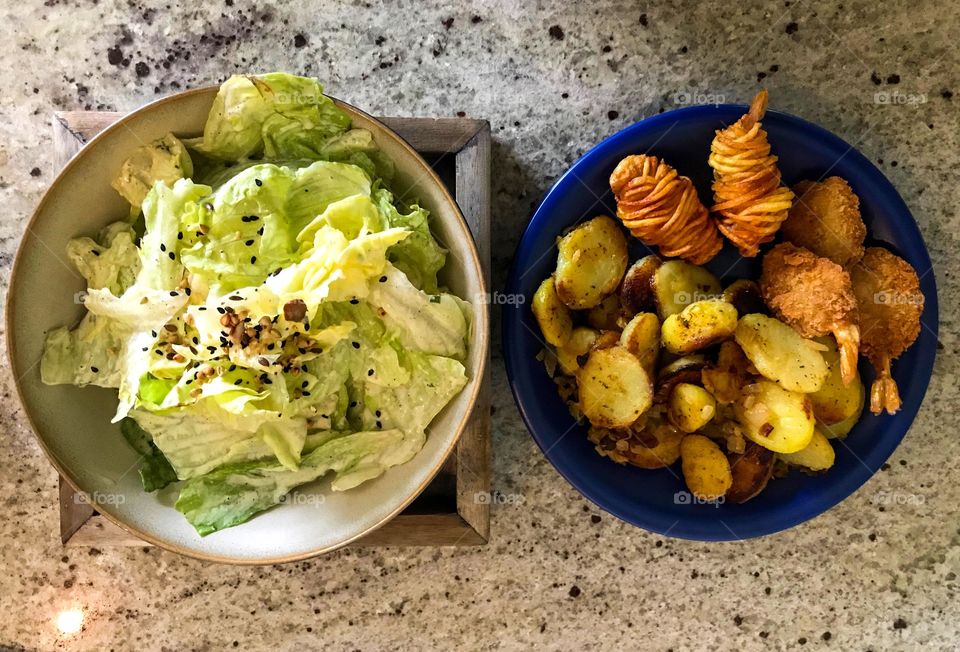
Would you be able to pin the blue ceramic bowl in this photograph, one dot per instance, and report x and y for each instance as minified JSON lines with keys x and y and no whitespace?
{"x":650,"y":499}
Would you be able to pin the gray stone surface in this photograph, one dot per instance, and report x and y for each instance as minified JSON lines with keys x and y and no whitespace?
{"x":557,"y":573}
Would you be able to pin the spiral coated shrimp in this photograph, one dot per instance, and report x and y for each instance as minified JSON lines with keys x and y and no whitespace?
{"x":661,"y":208}
{"x":749,"y":200}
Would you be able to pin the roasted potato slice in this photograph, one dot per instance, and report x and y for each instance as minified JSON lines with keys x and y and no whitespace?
{"x":746,"y":297}
{"x":591,"y":261}
{"x":843,"y":428}
{"x":552,"y":315}
{"x":580,"y":343}
{"x":818,"y":455}
{"x":834,"y":401}
{"x":614,"y":388}
{"x":751,"y":471}
{"x":683,"y":370}
{"x":641,"y":337}
{"x":698,"y":326}
{"x":636,"y":293}
{"x":677,"y":284}
{"x":606,"y":339}
{"x":605,"y":316}
{"x":728,"y":374}
{"x":781,"y":354}
{"x":654,"y":446}
{"x":775,"y":418}
{"x":690,"y":407}
{"x":705,"y":467}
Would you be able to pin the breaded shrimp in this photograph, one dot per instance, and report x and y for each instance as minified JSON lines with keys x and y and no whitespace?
{"x":890,"y":304}
{"x":825,"y":218}
{"x":813,"y":295}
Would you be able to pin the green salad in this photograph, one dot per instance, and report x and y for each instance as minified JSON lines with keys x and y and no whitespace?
{"x":270,"y":312}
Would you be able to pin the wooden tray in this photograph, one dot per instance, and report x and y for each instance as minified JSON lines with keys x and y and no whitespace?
{"x":449,"y":511}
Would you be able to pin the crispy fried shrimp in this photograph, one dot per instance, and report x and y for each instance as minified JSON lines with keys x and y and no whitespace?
{"x":890,"y":303}
{"x":814,"y":296}
{"x":825,"y":219}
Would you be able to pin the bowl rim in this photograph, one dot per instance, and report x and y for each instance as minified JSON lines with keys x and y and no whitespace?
{"x":480,"y":322}
{"x":511,"y":323}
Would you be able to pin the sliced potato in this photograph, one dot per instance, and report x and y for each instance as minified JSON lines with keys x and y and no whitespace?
{"x":728,"y":374}
{"x":614,"y":388}
{"x":682,"y":370}
{"x":677,"y":284}
{"x":591,"y":261}
{"x":774,"y":417}
{"x":641,"y":337}
{"x":606,"y":339}
{"x":705,"y":467}
{"x":751,"y":471}
{"x":605,"y":316}
{"x":579,"y":343}
{"x":834,"y":401}
{"x":636,"y":293}
{"x":654,"y":446}
{"x":843,"y":428}
{"x":746,"y":297}
{"x":781,"y":354}
{"x":698,"y":326}
{"x":690,"y":407}
{"x":552,"y":315}
{"x":818,"y":455}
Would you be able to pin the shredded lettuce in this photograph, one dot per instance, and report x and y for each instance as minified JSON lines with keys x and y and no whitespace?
{"x":278,"y":319}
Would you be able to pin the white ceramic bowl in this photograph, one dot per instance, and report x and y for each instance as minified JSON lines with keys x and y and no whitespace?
{"x":73,"y":423}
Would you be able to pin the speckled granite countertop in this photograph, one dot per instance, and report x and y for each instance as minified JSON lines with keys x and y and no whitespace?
{"x":872,"y":573}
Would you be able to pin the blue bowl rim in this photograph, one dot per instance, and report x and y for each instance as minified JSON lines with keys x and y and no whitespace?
{"x":843,"y":486}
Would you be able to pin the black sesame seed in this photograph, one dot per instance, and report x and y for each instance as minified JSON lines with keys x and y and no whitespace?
{"x":260,"y":231}
{"x":163,"y":247}
{"x":187,"y":291}
{"x":369,"y":372}
{"x":353,"y":404}
{"x":145,"y":349}
{"x":189,"y":380}
{"x":221,"y":310}
{"x":179,"y":235}
{"x":202,"y":308}
{"x":95,"y":252}
{"x":94,"y":370}
{"x":238,"y":381}
{"x":235,"y":297}
{"x":383,"y":279}
{"x":258,"y":182}
{"x":356,"y":345}
{"x":378,"y":413}
{"x":248,"y":243}
{"x":154,"y":333}
{"x":173,"y":293}
{"x":305,"y":393}
{"x":304,"y":384}
{"x":354,"y":301}
{"x":253,"y":259}
{"x":379,"y":425}
{"x":172,"y":256}
{"x":232,"y":367}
